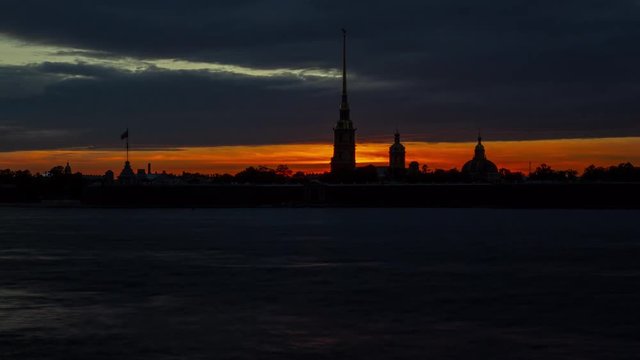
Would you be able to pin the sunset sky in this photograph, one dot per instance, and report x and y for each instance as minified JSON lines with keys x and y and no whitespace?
{"x":215,"y":87}
{"x":515,"y":155}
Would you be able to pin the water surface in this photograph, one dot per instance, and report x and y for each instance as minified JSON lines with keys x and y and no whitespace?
{"x":319,"y":284}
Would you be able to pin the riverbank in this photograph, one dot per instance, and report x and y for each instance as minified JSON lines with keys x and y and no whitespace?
{"x":549,"y":195}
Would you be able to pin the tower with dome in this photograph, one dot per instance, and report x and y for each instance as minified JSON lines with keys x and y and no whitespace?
{"x":480,"y":168}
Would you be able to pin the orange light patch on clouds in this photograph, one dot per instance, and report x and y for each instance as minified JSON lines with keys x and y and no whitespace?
{"x":515,"y":155}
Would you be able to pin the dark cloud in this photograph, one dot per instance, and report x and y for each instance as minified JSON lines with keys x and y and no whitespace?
{"x":517,"y":69}
{"x":167,"y":107}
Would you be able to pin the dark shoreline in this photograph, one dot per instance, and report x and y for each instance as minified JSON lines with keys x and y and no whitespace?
{"x":516,"y":196}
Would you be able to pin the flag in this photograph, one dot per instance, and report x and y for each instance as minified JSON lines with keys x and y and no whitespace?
{"x":124,"y":135}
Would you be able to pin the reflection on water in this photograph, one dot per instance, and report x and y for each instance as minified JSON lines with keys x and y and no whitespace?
{"x":318,"y":283}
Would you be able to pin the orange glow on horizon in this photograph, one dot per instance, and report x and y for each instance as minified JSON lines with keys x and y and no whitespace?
{"x":514,"y":155}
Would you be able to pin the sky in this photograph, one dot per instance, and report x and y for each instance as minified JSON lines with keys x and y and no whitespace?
{"x":574,"y":154}
{"x":219,"y":83}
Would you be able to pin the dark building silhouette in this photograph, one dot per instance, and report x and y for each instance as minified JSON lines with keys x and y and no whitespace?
{"x":396,"y":157}
{"x":344,"y":140}
{"x":108,"y":177}
{"x":127,"y":176}
{"x":67,"y":169}
{"x":480,"y":168}
{"x":141,"y":175}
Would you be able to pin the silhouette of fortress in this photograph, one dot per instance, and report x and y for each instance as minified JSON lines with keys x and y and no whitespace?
{"x":260,"y":187}
{"x":343,"y":162}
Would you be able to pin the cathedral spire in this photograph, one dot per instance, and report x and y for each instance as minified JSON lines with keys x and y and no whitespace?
{"x":344,"y":105}
{"x":344,"y":65}
{"x":343,"y":162}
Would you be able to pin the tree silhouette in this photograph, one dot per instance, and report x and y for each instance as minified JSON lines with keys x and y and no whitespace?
{"x":622,"y":172}
{"x":283,"y":170}
{"x":259,"y":175}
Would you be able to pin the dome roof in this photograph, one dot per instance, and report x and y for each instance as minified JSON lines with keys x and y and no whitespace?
{"x":479,"y":165}
{"x":397,"y":145}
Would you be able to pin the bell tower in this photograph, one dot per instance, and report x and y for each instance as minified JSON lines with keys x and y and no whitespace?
{"x":344,"y":134}
{"x":397,"y":157}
